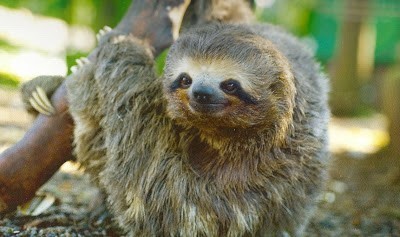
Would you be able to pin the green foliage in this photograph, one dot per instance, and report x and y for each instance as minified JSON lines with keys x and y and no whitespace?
{"x":8,"y":80}
{"x":5,"y":45}
{"x":54,"y":8}
{"x":388,"y":38}
{"x":160,"y":62}
{"x":322,"y":19}
{"x":324,"y":28}
{"x":294,"y":15}
{"x":71,"y":59}
{"x":109,"y":12}
{"x":93,"y":13}
{"x":10,"y":3}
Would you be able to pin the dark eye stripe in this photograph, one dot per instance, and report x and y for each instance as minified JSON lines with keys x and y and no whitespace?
{"x":244,"y":96}
{"x":238,"y":91}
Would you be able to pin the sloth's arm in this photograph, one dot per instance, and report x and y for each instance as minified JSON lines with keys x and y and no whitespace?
{"x":28,"y":164}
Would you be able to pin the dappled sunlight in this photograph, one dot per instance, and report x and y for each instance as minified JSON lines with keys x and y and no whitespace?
{"x":22,"y":28}
{"x":358,"y":136}
{"x":81,"y":38}
{"x":27,"y":64}
{"x":42,"y":41}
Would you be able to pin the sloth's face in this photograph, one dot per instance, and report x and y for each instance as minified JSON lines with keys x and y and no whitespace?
{"x":227,"y":78}
{"x":211,"y":89}
{"x":213,"y":93}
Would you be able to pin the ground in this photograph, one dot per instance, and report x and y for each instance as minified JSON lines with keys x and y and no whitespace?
{"x":361,"y":198}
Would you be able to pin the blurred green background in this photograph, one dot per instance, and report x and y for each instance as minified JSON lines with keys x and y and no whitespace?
{"x":356,"y":41}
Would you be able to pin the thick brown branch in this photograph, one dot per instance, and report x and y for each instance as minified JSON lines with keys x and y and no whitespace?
{"x":33,"y":160}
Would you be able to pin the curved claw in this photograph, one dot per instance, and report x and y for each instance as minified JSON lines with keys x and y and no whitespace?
{"x":107,"y":28}
{"x":80,"y":63}
{"x":102,"y":32}
{"x":85,"y":60}
{"x":41,"y":103}
{"x":45,"y":99}
{"x":74,"y":69}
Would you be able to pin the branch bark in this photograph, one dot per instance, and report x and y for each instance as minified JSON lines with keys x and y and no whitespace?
{"x":34,"y":159}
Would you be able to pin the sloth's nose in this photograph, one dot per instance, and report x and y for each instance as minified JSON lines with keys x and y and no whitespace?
{"x":203,"y":94}
{"x":206,"y":99}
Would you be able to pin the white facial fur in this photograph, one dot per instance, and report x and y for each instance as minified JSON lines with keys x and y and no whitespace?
{"x":218,"y":70}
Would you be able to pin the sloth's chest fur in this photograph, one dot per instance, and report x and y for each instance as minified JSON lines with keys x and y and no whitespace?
{"x":187,"y":188}
{"x":177,"y":196}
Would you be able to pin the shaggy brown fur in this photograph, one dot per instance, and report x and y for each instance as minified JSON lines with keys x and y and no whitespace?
{"x":250,"y":165}
{"x":252,"y":168}
{"x":87,"y":129}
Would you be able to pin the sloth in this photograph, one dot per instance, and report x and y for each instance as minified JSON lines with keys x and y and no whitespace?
{"x":230,"y":141}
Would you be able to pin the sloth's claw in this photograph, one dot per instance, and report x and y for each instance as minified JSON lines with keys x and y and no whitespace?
{"x":74,"y":69}
{"x":102,"y":32}
{"x":80,"y":63}
{"x":41,"y":102}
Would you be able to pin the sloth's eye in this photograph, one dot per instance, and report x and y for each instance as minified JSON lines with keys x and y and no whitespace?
{"x":230,"y":86}
{"x":184,"y":81}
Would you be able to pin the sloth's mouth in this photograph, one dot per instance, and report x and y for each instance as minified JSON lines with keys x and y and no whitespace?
{"x":211,"y":108}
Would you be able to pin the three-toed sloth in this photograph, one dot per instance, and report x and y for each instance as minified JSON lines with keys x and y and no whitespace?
{"x":230,"y":141}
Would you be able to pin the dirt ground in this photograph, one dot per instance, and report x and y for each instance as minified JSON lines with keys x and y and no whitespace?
{"x":361,"y":199}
